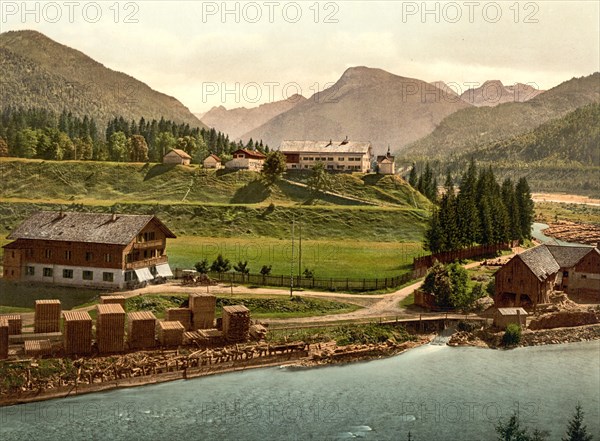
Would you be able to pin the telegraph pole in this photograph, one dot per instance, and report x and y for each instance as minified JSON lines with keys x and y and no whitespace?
{"x":292,"y":263}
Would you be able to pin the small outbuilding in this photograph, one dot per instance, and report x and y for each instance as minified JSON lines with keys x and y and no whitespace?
{"x":212,"y":161}
{"x":505,"y":316}
{"x":386,"y":164}
{"x":177,"y":156}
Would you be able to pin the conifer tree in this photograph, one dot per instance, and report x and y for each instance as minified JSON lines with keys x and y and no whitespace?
{"x":525,"y":206}
{"x":576,"y":431}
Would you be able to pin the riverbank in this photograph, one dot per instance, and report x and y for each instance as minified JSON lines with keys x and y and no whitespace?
{"x":576,"y":232}
{"x":83,"y":376}
{"x":485,"y":338}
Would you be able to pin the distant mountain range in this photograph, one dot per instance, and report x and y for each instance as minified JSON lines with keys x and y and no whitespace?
{"x":476,"y":127}
{"x":39,"y":72}
{"x":237,"y":122}
{"x":365,"y":104}
{"x":492,"y":93}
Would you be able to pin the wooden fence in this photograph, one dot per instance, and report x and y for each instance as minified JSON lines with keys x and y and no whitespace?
{"x":331,"y":284}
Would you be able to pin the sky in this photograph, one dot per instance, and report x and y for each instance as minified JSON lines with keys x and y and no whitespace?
{"x":248,"y":53}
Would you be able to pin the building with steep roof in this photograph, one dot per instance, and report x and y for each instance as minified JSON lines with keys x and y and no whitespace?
{"x":528,"y":278}
{"x":245,"y":159}
{"x":386,"y":164}
{"x":87,"y":249}
{"x":346,"y":155}
{"x":177,"y":156}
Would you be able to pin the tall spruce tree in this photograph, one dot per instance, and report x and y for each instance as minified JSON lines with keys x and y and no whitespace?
{"x":576,"y":430}
{"x":525,"y":206}
{"x":412,"y":177}
{"x":467,"y":213}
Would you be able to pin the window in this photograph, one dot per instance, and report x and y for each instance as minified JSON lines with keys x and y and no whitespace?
{"x":89,"y":256}
{"x":340,"y":167}
{"x":128,"y":258}
{"x":305,"y":158}
{"x":129,"y":276}
{"x":48,"y":253}
{"x":30,"y":270}
{"x":306,"y":166}
{"x":565,"y":274}
{"x":584,"y":276}
{"x":330,"y":167}
{"x":67,"y":274}
{"x":68,"y":255}
{"x":330,"y":159}
{"x":48,"y":272}
{"x":88,"y":275}
{"x":107,"y":277}
{"x":293,"y":165}
{"x":108,"y":257}
{"x":340,"y":159}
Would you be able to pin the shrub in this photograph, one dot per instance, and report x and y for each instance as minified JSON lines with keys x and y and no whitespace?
{"x":202,"y":267}
{"x":512,"y":335}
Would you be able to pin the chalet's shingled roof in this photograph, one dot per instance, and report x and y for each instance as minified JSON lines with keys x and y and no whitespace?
{"x":250,"y":153}
{"x":385,"y":159}
{"x":361,"y":147}
{"x":180,"y":152}
{"x":540,"y":261}
{"x":567,"y":256}
{"x":215,"y":157}
{"x":85,"y":227}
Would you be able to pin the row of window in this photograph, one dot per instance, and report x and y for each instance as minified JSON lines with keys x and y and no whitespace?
{"x":333,"y":167}
{"x":68,"y":254}
{"x":329,"y":158}
{"x":146,"y":254}
{"x":107,"y":276}
{"x":146,"y":237}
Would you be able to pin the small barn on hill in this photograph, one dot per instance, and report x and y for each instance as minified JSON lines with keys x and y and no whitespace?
{"x":212,"y":161}
{"x":177,"y":156}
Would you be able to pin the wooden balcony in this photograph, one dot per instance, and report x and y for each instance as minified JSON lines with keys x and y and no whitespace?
{"x":146,"y":262}
{"x":149,"y":244}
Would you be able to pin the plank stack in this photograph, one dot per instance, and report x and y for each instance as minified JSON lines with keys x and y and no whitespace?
{"x":38,"y":348}
{"x":15,"y":323}
{"x":236,"y":323}
{"x":77,"y":334}
{"x":141,"y":327}
{"x":47,"y":316}
{"x":170,"y":333}
{"x":3,"y":338}
{"x":203,"y":310}
{"x":120,"y":300}
{"x":110,"y":327}
{"x":181,"y":315}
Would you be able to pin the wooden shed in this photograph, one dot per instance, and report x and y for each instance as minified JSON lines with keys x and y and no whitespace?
{"x":212,"y":161}
{"x":505,"y":316}
{"x":177,"y":156}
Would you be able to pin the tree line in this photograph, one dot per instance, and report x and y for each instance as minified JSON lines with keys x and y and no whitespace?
{"x":482,"y":211}
{"x":43,"y":134}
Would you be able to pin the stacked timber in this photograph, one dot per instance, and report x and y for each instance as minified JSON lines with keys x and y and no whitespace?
{"x":47,"y":316}
{"x":170,"y":333}
{"x":3,"y":338}
{"x":38,"y":348}
{"x":110,"y":327}
{"x":204,"y":337}
{"x":181,"y":315}
{"x":15,"y":323}
{"x":203,"y":310}
{"x":77,"y":334}
{"x":236,"y":323}
{"x":141,"y":326}
{"x":119,"y":300}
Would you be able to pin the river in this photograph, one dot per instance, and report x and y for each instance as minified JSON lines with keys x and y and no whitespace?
{"x":434,"y":392}
{"x":536,"y":233}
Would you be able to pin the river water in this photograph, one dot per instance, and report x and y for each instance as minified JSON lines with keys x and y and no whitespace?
{"x":536,"y":232}
{"x":434,"y":392}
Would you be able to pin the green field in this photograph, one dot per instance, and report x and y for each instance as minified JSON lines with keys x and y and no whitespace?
{"x":548,"y":212}
{"x":24,"y":295}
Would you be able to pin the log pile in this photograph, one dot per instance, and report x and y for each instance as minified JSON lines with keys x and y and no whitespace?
{"x":203,"y":310}
{"x":141,"y":328}
{"x":15,"y":324}
{"x":236,"y":323}
{"x":47,"y":316}
{"x":3,"y":338}
{"x":38,"y":348}
{"x":107,"y":300}
{"x":181,"y":315}
{"x":170,"y":333}
{"x":77,"y":335}
{"x":110,"y":327}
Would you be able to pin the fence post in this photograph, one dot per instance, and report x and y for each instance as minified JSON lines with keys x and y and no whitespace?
{"x":364,"y":284}
{"x":347,"y":284}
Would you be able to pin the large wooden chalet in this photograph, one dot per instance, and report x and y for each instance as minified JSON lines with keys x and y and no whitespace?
{"x":528,"y":278}
{"x":87,"y":249}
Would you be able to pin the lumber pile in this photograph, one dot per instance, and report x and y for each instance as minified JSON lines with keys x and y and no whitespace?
{"x":15,"y":324}
{"x":77,"y":335}
{"x":181,"y":315}
{"x":110,"y":327}
{"x":119,"y":300}
{"x":204,"y":337}
{"x":236,"y":323}
{"x":47,"y":316}
{"x":170,"y":333}
{"x":203,"y":310}
{"x":3,"y":338}
{"x":38,"y":348}
{"x":141,"y":326}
